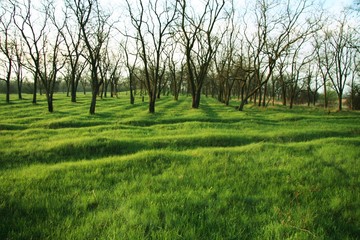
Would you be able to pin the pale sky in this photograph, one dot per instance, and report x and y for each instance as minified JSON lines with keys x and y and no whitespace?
{"x":337,"y":5}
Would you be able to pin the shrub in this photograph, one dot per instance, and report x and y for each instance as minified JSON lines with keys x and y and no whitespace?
{"x":353,"y":100}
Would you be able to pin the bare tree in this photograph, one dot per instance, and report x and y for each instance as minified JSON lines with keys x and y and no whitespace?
{"x":199,"y":42}
{"x":18,"y":67}
{"x":51,"y":67}
{"x":44,"y":51}
{"x":114,"y":73}
{"x":175,"y":66}
{"x":342,"y":54}
{"x":104,"y":70}
{"x":279,"y":25}
{"x":95,"y":30}
{"x":312,"y":81}
{"x":32,"y":31}
{"x":151,"y":23}
{"x":130,"y":62}
{"x":297,"y":62}
{"x":324,"y":63}
{"x":71,"y":33}
{"x":7,"y":43}
{"x":228,"y":60}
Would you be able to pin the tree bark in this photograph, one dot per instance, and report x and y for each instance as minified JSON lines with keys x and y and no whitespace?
{"x":152,"y":100}
{"x":35,"y":88}
{"x":19,"y":84}
{"x":73,"y":91}
{"x":340,"y":102}
{"x":50,"y":103}
{"x":264,"y":96}
{"x":93,"y":100}
{"x":196,"y":98}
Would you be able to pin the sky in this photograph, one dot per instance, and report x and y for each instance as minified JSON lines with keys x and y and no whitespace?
{"x":337,"y":5}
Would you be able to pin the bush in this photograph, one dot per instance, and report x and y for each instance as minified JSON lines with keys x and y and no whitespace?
{"x":353,"y":100}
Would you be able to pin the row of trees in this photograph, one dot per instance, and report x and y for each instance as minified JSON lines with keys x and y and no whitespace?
{"x":263,"y":51}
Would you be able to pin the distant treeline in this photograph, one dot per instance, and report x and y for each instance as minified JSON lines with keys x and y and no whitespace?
{"x":302,"y":97}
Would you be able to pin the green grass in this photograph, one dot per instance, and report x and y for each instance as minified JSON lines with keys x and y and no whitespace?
{"x":181,"y":173}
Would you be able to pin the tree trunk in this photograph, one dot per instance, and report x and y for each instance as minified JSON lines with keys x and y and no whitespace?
{"x":352,"y":94}
{"x":19,"y":84}
{"x":8,"y":91}
{"x":35,"y":88}
{"x":106,"y":84}
{"x":68,"y":90}
{"x":325,"y":96}
{"x":242,"y":104}
{"x":340,"y":101}
{"x":260,"y":97}
{"x":73,"y":92}
{"x":273,"y":93}
{"x":152,"y":100}
{"x":196,"y":99}
{"x":264,"y":96}
{"x":93,"y":100}
{"x":292,"y":97}
{"x":227,"y":100}
{"x":283,"y":88}
{"x":132,"y":99}
{"x":50,"y":103}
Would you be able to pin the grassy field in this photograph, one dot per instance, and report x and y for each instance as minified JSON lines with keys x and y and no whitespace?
{"x":211,"y":173}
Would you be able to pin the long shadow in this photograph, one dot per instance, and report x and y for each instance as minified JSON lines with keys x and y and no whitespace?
{"x":209,"y":110}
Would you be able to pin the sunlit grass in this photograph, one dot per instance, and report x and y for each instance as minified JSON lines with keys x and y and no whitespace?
{"x":181,"y":173}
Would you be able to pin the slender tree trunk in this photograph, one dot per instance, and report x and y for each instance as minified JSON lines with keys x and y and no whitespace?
{"x":227,"y":100}
{"x":325,"y":96}
{"x":260,"y":97}
{"x":152,"y":99}
{"x":73,"y":92}
{"x":73,"y":87}
{"x":8,"y":91}
{"x":95,"y":90}
{"x":273,"y":93}
{"x":68,"y":90}
{"x":112,"y":90}
{"x":264,"y":96}
{"x":352,"y":96}
{"x":340,"y":101}
{"x":19,"y":85}
{"x":283,"y":88}
{"x":242,"y":92}
{"x":309,"y":96}
{"x":105,"y":88}
{"x":255,"y":97}
{"x":35,"y":88}
{"x":93,"y":100}
{"x":132,"y":98}
{"x":292,"y":96}
{"x":159,"y":90}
